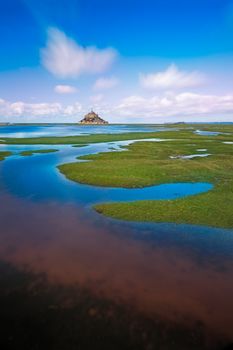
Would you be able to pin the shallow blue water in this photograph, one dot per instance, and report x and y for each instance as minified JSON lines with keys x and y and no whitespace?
{"x":69,"y":130}
{"x":37,"y":179}
{"x":209,"y":133}
{"x":37,"y":176}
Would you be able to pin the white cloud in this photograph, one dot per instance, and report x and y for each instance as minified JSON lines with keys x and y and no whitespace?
{"x":171,"y":78}
{"x":105,"y":83}
{"x":182,"y":106}
{"x":72,"y":110}
{"x":97,"y":98}
{"x":48,"y":110}
{"x":185,"y":106}
{"x":65,"y":89}
{"x":65,"y":58}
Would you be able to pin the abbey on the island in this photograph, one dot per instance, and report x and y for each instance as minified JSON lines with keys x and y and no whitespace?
{"x":92,"y":118}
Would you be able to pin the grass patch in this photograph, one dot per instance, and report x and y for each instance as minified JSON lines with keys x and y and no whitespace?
{"x":148,"y":163}
{"x":85,"y":139}
{"x":210,"y":209}
{"x":4,"y":154}
{"x":30,"y":153}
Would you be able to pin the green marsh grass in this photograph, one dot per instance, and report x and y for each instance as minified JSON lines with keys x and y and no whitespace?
{"x":149,"y":163}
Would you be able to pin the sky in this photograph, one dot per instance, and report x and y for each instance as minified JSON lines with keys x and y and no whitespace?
{"x":132,"y":61}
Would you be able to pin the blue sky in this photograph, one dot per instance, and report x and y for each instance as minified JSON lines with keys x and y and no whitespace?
{"x":132,"y":60}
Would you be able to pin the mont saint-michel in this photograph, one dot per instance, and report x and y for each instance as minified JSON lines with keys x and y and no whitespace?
{"x":92,"y":118}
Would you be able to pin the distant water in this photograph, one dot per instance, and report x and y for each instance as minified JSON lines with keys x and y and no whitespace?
{"x":209,"y":133}
{"x":70,"y":130}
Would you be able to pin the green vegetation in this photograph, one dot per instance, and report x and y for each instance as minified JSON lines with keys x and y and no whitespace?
{"x":4,"y":154}
{"x":31,"y":152}
{"x":186,"y":131}
{"x":85,"y":139}
{"x":148,"y":163}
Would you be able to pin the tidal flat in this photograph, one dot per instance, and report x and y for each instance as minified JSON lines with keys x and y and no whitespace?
{"x":145,"y":274}
{"x":149,"y":163}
